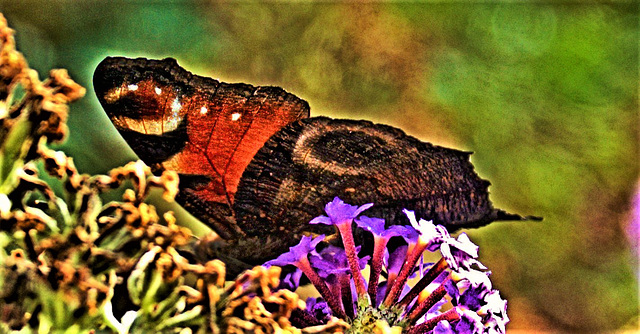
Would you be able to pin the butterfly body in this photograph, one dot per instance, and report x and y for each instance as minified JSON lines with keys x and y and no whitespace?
{"x":256,"y":169}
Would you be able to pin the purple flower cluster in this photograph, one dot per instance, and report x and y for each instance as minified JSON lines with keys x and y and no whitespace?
{"x":457,"y":280}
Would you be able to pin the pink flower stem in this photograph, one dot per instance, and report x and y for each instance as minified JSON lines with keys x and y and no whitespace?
{"x":334,"y":286}
{"x":352,"y":256}
{"x":376,"y":267}
{"x":419,"y":310}
{"x":428,"y":277}
{"x":392,"y":276}
{"x":451,"y":316}
{"x":332,"y":300}
{"x":407,"y":267}
{"x":347,"y":297}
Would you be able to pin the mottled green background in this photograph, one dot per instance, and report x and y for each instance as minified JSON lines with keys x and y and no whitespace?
{"x":545,"y":94}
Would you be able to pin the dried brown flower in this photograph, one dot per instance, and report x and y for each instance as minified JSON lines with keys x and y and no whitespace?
{"x":253,"y":306}
{"x":12,"y":63}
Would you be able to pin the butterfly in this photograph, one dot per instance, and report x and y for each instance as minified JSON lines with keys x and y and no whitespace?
{"x":256,"y":168}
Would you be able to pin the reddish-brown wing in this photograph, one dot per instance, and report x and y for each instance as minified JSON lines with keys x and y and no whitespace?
{"x":207,"y":131}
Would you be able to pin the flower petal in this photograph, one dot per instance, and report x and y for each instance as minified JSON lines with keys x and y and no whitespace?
{"x":321,"y":220}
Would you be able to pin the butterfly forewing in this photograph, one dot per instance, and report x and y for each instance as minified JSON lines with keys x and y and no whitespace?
{"x":207,"y":131}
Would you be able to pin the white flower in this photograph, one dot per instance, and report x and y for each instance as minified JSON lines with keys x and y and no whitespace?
{"x":460,"y":253}
{"x":496,"y":308}
{"x":430,"y":234}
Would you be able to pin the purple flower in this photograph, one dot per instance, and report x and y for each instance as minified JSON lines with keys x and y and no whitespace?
{"x":380,"y":292}
{"x":373,"y":225}
{"x":396,"y":260}
{"x":291,"y":281}
{"x":411,"y":237}
{"x":472,"y":297}
{"x":341,"y":215}
{"x":430,"y":238}
{"x":470,"y":322}
{"x":299,"y":256}
{"x":297,"y":252}
{"x":435,"y":309}
{"x":452,"y":290}
{"x":336,"y":273}
{"x":443,"y":327}
{"x":333,"y":265}
{"x":319,"y":309}
{"x":472,"y":287}
{"x":381,"y":237}
{"x":376,"y":227}
{"x":472,"y":278}
{"x":333,"y":260}
{"x":339,"y":212}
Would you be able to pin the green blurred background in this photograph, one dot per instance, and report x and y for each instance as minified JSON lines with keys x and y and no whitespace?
{"x":546,"y":95}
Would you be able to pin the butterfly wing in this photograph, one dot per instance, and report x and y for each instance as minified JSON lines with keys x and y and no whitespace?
{"x":308,"y":163}
{"x":256,"y":169}
{"x":206,"y":130}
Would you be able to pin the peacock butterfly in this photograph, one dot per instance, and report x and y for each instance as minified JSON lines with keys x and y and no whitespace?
{"x":256,"y":169}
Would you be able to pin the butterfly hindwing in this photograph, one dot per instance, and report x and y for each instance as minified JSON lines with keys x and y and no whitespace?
{"x":311,"y":161}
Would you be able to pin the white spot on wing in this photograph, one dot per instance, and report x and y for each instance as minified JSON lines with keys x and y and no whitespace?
{"x":158,"y":90}
{"x":174,"y":118}
{"x":203,"y":111}
{"x":235,"y":116}
{"x":175,"y":105}
{"x":132,"y":87}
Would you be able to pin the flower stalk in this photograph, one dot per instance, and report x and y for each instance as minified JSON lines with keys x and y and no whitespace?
{"x":352,"y":256}
{"x":409,"y":264}
{"x":379,"y":247}
{"x":428,"y":277}
{"x":448,"y":316}
{"x":422,"y":307}
{"x":331,"y":298}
